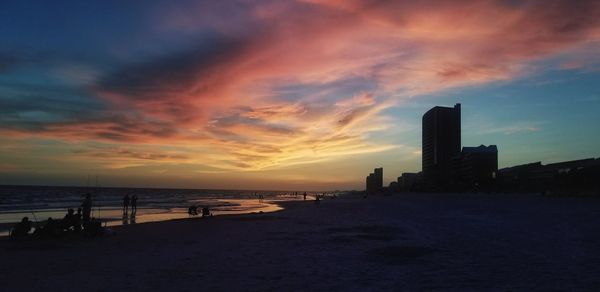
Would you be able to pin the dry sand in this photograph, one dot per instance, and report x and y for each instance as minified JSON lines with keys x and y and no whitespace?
{"x":401,"y":242}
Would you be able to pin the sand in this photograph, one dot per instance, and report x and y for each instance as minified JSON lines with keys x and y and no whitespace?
{"x":386,"y":243}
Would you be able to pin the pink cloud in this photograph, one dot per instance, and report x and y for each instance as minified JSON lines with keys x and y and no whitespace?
{"x":227,"y":95}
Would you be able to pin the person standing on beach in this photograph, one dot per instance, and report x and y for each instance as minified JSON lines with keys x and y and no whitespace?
{"x":134,"y":199}
{"x":133,"y":204}
{"x":125,"y":205}
{"x":305,"y":196}
{"x":87,"y":208}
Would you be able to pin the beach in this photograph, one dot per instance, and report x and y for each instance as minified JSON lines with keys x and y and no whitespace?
{"x":380,"y":243}
{"x":42,"y":202}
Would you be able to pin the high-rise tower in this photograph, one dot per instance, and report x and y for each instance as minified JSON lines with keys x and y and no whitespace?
{"x":441,"y":142}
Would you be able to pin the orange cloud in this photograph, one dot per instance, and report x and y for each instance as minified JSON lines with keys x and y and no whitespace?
{"x":309,"y":81}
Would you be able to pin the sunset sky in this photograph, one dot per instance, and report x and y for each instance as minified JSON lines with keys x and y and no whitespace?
{"x":286,"y":94}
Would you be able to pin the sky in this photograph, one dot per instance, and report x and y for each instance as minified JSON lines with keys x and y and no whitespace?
{"x":286,"y":95}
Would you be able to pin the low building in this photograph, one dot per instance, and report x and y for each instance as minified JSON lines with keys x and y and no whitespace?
{"x":408,"y":180}
{"x":476,"y":168}
{"x":565,"y":178}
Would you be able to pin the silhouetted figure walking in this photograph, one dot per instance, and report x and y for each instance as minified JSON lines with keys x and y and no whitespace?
{"x":134,"y":199}
{"x":87,"y":208}
{"x":125,"y":205}
{"x":305,"y":196}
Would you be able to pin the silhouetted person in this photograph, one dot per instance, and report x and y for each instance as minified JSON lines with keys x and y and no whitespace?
{"x":317,"y":198}
{"x":193,"y":210}
{"x":69,"y":220}
{"x":50,"y":230}
{"x":305,"y":196}
{"x":133,"y":205}
{"x":125,"y":205}
{"x":206,"y":212}
{"x":21,"y":229}
{"x":87,"y":208}
{"x":77,"y":220}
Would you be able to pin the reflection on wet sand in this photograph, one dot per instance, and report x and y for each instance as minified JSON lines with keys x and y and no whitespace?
{"x":128,"y":219}
{"x":116,"y":216}
{"x":109,"y":208}
{"x":238,"y":206}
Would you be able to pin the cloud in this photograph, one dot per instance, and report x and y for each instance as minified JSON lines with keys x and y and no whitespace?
{"x":129,"y":154}
{"x":513,"y":128}
{"x":364,"y":99}
{"x":285,"y":83}
{"x":276,"y":112}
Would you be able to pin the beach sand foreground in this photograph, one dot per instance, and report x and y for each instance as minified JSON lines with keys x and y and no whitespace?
{"x":390,"y":243}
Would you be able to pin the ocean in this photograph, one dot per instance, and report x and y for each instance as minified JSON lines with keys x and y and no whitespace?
{"x":41,"y":202}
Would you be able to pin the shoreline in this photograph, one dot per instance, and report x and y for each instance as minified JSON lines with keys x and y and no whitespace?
{"x":162,"y":215}
{"x":197,"y":218}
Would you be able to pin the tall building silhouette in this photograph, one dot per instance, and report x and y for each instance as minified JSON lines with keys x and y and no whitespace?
{"x":375,"y":180}
{"x":441,"y":143}
{"x":378,"y":174}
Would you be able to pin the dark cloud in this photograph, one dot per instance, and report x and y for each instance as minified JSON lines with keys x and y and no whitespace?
{"x":105,"y":152}
{"x":169,"y":75}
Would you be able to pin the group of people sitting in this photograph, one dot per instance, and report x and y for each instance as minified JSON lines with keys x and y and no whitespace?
{"x":193,"y":211}
{"x":80,"y":222}
{"x":71,"y":223}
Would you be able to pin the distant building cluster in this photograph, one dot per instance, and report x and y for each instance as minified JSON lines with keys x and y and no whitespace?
{"x":447,"y":166}
{"x":570,"y":177}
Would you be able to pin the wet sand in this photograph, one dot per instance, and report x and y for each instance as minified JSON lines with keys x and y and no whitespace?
{"x":111,"y":216}
{"x":402,"y":242}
